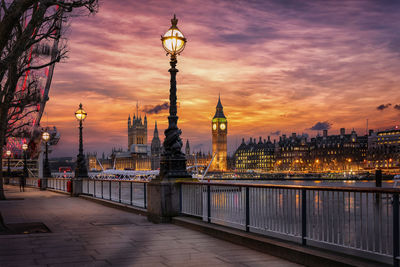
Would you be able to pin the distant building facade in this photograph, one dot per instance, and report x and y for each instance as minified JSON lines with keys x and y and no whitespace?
{"x":292,"y":153}
{"x":343,"y":152}
{"x":219,"y":131}
{"x":326,"y":153}
{"x":255,"y":156}
{"x":139,"y":156}
{"x":197,"y":159}
{"x":384,"y":149}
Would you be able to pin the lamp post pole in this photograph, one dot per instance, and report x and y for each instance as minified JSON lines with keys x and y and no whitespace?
{"x":8,"y":167}
{"x":173,"y":160}
{"x":7,"y":180}
{"x":81,"y":170}
{"x":25,"y":165}
{"x":46,"y":170}
{"x":163,"y":198}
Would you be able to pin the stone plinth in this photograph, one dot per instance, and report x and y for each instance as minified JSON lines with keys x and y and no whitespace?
{"x":43,"y":183}
{"x":76,"y":187}
{"x":162,"y":200}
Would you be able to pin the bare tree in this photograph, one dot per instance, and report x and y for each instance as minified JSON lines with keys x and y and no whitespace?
{"x":24,"y":25}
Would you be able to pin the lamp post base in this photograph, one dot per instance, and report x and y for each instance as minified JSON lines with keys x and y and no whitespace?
{"x":43,"y":183}
{"x":77,"y":187}
{"x":173,"y":168}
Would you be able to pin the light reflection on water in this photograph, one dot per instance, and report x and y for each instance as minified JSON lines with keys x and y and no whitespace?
{"x":344,"y":183}
{"x":358,"y":220}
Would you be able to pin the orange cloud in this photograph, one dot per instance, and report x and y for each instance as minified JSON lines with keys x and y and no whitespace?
{"x":278,"y":68}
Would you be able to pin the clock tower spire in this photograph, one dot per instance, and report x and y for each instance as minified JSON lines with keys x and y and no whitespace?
{"x":219,"y":130}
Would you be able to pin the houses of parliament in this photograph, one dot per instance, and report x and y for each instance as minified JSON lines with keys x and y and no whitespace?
{"x":140,"y":155}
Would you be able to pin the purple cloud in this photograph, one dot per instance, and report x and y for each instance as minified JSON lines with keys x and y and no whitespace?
{"x":156,"y":109}
{"x":319,"y":126}
{"x":383,"y":106}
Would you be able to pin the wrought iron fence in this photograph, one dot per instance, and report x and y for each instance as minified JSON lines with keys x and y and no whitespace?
{"x":358,"y":221}
{"x":122,"y":191}
{"x":58,"y":183}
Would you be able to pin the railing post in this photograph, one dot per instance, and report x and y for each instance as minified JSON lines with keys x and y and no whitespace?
{"x":303,"y":217}
{"x":102,"y":189}
{"x":119,"y":191}
{"x":94,"y":188}
{"x":131,"y":193}
{"x":208,"y":203}
{"x":395,"y":230}
{"x":110,"y":189}
{"x":247,"y":208}
{"x":145,"y":195}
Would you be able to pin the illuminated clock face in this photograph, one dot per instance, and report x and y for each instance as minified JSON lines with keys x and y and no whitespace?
{"x":222,"y":126}
{"x":214,"y":126}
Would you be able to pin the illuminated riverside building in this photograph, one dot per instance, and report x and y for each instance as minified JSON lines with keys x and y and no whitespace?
{"x":343,"y":152}
{"x":97,"y":164}
{"x":258,"y":157}
{"x":139,"y":155}
{"x":384,"y":149}
{"x":219,"y":130}
{"x":193,"y":159}
{"x":155,"y":150}
{"x":292,"y":153}
{"x":326,"y":153}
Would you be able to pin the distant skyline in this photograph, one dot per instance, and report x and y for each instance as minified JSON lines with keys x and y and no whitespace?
{"x":280,"y":67}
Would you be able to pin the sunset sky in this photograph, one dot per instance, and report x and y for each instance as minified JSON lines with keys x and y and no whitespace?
{"x":280,"y":67}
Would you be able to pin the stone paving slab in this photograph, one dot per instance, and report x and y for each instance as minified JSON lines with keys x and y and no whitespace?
{"x":84,"y":233}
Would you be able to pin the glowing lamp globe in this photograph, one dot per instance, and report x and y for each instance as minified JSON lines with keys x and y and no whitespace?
{"x":8,"y":153}
{"x":25,"y":147}
{"x":80,"y":114}
{"x":45,"y":136}
{"x":173,"y":40}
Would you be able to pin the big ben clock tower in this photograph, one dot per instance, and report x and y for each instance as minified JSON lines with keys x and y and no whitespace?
{"x":219,"y":129}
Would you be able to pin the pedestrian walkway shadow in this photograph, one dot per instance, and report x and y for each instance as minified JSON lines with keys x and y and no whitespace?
{"x":22,"y":228}
{"x":25,"y":228}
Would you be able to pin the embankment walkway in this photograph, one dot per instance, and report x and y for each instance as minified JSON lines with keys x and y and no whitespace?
{"x":84,"y":233}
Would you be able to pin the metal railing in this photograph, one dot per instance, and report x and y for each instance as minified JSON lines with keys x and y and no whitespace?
{"x":30,"y":181}
{"x":357,"y":221}
{"x":123,"y":191}
{"x":58,"y":183}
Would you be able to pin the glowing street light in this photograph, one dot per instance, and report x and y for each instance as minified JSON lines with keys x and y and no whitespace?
{"x":8,"y":153}
{"x":46,"y":169}
{"x":25,"y":148}
{"x":173,"y":161}
{"x":81,"y":170}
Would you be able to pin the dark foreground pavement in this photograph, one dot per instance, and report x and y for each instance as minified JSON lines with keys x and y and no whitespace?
{"x":84,"y":233}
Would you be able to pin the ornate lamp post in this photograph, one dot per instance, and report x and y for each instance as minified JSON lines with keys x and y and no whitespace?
{"x":81,"y":170}
{"x":173,"y":161}
{"x":8,"y":153}
{"x":25,"y":147}
{"x":46,"y":169}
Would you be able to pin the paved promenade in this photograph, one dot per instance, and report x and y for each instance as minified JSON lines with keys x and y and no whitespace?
{"x":84,"y":233}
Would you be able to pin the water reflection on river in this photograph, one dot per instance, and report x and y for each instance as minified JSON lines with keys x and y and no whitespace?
{"x":341,"y":183}
{"x":358,"y":220}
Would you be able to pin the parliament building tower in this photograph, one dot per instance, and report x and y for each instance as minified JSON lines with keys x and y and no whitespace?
{"x":137,"y":132}
{"x":219,"y":129}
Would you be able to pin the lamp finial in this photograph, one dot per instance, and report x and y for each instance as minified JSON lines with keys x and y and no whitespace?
{"x":174,"y":21}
